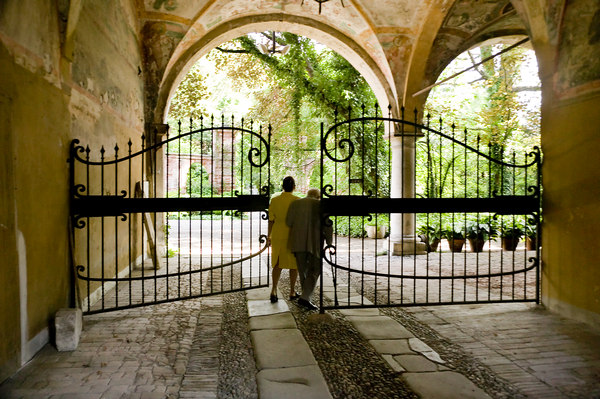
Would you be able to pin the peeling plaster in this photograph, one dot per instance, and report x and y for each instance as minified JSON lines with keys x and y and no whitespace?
{"x":578,"y":60}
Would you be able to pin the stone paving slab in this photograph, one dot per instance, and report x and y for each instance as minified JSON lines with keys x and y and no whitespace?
{"x":272,"y":321}
{"x":360,"y":312}
{"x":379,"y":327}
{"x":258,"y":293}
{"x":415,"y":363}
{"x":445,"y":384}
{"x":292,"y":383}
{"x":391,"y":346}
{"x":281,"y":348}
{"x":265,"y":307}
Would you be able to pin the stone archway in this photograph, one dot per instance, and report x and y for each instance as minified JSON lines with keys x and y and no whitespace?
{"x":376,"y":73}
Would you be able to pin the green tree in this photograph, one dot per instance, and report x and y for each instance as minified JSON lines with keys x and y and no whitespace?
{"x":187,"y":101}
{"x":294,"y":93}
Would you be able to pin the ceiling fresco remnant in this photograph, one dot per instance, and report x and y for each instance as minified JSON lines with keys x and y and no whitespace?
{"x":579,"y":51}
{"x":468,"y":23}
{"x":385,"y":36}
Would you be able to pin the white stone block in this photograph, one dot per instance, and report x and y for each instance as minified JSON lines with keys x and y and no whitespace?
{"x":68,"y":323}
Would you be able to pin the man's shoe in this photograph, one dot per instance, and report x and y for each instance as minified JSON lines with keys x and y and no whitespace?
{"x":307,"y":304}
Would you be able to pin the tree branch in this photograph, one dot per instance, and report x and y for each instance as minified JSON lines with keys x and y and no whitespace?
{"x":483,"y":74}
{"x":526,"y":88}
{"x":225,"y":50}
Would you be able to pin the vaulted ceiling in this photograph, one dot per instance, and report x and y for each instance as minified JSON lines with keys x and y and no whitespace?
{"x":387,"y":40}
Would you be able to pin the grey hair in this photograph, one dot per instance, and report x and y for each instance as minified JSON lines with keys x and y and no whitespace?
{"x":313,"y":193}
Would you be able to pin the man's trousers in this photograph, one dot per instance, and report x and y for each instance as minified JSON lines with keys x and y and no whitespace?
{"x":309,"y":269}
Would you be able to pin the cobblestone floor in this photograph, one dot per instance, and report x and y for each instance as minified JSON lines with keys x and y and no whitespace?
{"x":200,"y":348}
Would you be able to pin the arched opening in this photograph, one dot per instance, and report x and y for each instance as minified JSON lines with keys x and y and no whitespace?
{"x":375,"y":72}
{"x":490,"y":96}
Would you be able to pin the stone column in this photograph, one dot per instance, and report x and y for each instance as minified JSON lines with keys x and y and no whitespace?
{"x":402,"y":225}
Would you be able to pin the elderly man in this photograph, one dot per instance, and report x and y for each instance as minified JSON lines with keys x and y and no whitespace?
{"x":306,"y":241}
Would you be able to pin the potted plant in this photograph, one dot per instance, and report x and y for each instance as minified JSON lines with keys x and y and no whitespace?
{"x":479,"y":233}
{"x":456,"y":239}
{"x":531,"y":237}
{"x":511,"y":235}
{"x":431,"y":236}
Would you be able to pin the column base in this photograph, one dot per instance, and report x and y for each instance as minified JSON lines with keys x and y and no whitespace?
{"x":408,"y":245}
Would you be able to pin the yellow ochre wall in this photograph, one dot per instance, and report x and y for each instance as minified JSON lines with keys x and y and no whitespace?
{"x":54,"y":88}
{"x":571,"y":227}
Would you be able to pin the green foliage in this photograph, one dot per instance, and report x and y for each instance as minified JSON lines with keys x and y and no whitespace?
{"x":354,"y":226}
{"x":501,"y":121}
{"x":186,"y":103}
{"x":349,"y":226}
{"x":198,"y":182}
{"x":294,"y":93}
{"x":483,"y":230}
{"x":457,"y":225}
{"x":171,"y":252}
{"x":512,"y":227}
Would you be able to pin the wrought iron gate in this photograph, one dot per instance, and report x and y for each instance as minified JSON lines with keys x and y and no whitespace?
{"x":176,"y":218}
{"x":436,"y":188}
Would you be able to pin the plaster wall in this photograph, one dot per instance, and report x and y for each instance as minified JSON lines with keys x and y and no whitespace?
{"x":46,"y":100}
{"x":570,"y":271}
{"x":9,"y":294}
{"x":567,"y":50}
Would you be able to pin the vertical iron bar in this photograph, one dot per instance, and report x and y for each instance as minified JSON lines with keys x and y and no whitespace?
{"x":453,"y":214}
{"x":178,"y":216}
{"x":116,"y":231}
{"x":376,"y":195}
{"x":201,"y":222}
{"x":389,"y":177}
{"x":167,"y":215}
{"x":401,"y":164}
{"x":525,"y":228}
{"x":427,"y":218}
{"x":143,"y":154}
{"x":231,"y":190}
{"x":222,"y":188}
{"x":514,"y":178}
{"x":212,"y":187}
{"x":362,"y":240}
{"x":478,"y":159}
{"x":440,"y":157}
{"x":489,"y":279}
{"x":323,"y":219}
{"x":88,"y":227}
{"x":349,"y":217}
{"x":538,"y":227}
{"x":414,"y":191}
{"x":129,"y":143}
{"x":466,"y":161}
{"x":153,"y":170}
{"x":190,"y":189}
{"x":102,"y":223}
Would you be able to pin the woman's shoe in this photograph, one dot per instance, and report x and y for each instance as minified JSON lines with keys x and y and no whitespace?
{"x":295,"y":296}
{"x":274,"y":298}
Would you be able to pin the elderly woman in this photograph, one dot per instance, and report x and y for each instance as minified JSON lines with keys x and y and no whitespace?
{"x":281,"y":256}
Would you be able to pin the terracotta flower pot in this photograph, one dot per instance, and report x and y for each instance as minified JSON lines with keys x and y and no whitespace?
{"x":456,"y":244}
{"x":531,"y":243}
{"x":476,"y":244}
{"x":510,"y":243}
